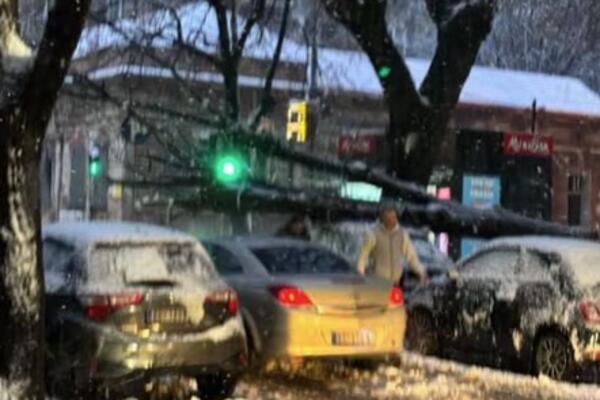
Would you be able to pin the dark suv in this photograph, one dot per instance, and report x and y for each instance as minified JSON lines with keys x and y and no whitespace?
{"x":530,"y":304}
{"x":129,"y":304}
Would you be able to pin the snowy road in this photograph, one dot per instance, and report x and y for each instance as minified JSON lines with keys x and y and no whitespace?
{"x":418,"y":378}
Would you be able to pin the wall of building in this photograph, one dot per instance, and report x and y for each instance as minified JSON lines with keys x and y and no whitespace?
{"x":576,"y":151}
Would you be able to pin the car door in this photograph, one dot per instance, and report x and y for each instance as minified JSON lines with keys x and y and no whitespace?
{"x":536,"y":292}
{"x":483,"y":281}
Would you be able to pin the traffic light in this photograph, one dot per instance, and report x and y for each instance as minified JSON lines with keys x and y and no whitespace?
{"x":229,"y":168}
{"x":384,"y":71}
{"x":297,"y":122}
{"x":94,"y":161}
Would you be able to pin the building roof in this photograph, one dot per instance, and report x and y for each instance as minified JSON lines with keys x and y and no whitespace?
{"x":339,"y":70}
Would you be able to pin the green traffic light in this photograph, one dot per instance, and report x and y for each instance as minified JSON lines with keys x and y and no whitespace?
{"x":229,"y":169}
{"x":384,"y":71}
{"x":95,"y":168}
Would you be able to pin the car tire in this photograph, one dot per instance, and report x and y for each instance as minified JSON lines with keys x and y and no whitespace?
{"x":420,"y":333}
{"x":216,"y":387}
{"x":553,"y":356}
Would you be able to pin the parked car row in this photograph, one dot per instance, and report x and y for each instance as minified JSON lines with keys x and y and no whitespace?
{"x":130,"y":303}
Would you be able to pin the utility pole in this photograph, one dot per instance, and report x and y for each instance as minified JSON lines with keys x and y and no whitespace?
{"x":312,"y":87}
{"x":533,"y":116}
{"x":88,"y":179}
{"x":313,"y":54}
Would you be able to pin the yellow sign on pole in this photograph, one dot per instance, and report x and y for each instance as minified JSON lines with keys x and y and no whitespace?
{"x":116,"y":191}
{"x":297,"y":122}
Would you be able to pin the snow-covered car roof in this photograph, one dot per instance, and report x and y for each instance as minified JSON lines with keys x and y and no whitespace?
{"x":548,"y":243}
{"x":583,"y":256}
{"x":266,"y":241}
{"x":84,"y":234}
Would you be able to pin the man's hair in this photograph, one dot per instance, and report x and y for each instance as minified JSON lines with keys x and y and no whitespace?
{"x":386,"y":206}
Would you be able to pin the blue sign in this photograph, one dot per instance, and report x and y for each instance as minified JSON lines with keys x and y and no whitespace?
{"x":479,"y":191}
{"x":468,"y":245}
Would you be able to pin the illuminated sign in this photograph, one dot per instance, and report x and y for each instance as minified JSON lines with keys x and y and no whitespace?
{"x":361,"y":191}
{"x":526,"y":144}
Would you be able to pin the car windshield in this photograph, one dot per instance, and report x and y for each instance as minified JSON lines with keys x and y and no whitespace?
{"x":147,"y":262}
{"x":300,"y":260}
{"x":429,"y":253}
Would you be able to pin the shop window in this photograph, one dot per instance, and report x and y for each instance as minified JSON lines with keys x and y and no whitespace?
{"x":575,"y":199}
{"x":114,"y":9}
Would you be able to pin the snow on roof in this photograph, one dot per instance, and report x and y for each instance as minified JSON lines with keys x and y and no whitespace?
{"x":344,"y":70}
{"x":83,"y":234}
{"x":548,"y":243}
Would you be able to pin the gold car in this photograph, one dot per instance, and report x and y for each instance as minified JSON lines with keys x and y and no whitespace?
{"x":299,"y":300}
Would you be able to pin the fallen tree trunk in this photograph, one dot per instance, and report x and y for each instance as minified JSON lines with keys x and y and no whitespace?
{"x":439,"y":216}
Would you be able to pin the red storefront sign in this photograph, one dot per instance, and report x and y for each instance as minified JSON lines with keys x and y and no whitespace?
{"x":526,"y":144}
{"x":361,"y":145}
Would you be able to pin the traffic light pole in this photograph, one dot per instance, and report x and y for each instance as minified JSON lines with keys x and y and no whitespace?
{"x":88,"y":180}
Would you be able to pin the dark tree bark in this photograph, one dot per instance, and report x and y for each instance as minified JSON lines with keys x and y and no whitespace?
{"x":24,"y":114}
{"x":418,"y":117}
{"x":231,"y":48}
{"x":439,"y":216}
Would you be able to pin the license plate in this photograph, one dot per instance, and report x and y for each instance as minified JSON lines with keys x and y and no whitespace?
{"x":362,"y":337}
{"x":165,"y":315}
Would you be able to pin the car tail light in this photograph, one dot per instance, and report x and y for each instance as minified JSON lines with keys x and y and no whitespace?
{"x":396,"y":296}
{"x":290,"y":296}
{"x":590,"y":310}
{"x":226,"y":297}
{"x":99,"y":307}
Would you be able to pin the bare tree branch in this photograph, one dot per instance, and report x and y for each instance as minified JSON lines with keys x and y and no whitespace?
{"x":257,"y":13}
{"x":224,"y":35}
{"x":267,"y":101}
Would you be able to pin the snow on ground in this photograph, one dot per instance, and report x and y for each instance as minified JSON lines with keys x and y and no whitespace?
{"x":10,"y":390}
{"x":417,"y":378}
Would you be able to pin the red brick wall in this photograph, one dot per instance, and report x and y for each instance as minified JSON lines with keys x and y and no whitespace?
{"x":577,"y":149}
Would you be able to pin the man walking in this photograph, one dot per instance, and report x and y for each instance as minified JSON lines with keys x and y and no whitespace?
{"x":387,"y":244}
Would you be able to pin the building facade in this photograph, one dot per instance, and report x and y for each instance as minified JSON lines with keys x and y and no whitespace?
{"x":352,"y":123}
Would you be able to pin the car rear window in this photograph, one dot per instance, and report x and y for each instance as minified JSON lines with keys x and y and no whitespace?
{"x":147,"y":261}
{"x":429,"y":253}
{"x":300,"y":260}
{"x":586,"y":266}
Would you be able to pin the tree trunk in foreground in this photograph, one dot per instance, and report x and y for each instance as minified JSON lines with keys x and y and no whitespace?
{"x":21,"y":275}
{"x":29,"y":89}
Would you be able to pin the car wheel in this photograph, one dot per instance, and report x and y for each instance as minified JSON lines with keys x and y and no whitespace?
{"x":553,"y":357}
{"x":420,"y":333}
{"x":216,"y":387}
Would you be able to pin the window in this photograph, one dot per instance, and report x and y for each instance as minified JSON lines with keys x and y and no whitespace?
{"x":575,"y":199}
{"x":58,"y":260}
{"x":225,"y":261}
{"x":114,"y":9}
{"x":300,"y":260}
{"x":534,"y":268}
{"x":494,"y":264}
{"x":146,"y":262}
